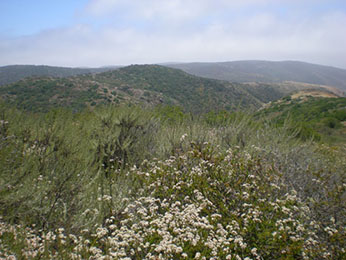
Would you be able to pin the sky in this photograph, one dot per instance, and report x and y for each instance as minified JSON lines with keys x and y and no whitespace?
{"x":94,"y":33}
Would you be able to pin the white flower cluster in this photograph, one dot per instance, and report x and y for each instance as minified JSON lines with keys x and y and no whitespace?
{"x":195,"y":206}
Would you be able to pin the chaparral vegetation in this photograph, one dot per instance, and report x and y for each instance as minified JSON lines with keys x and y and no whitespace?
{"x":127,"y":182}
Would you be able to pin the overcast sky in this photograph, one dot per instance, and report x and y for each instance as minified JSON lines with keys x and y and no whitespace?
{"x":120,"y":32}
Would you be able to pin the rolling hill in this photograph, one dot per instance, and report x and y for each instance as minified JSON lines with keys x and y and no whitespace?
{"x":235,"y":71}
{"x":268,"y":71}
{"x":13,"y":73}
{"x":145,"y":84}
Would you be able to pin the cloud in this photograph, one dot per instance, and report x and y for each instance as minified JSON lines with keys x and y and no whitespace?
{"x":179,"y":9}
{"x":150,"y":8}
{"x":156,"y":31}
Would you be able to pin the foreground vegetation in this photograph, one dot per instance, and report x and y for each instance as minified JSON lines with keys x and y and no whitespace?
{"x":131,"y":183}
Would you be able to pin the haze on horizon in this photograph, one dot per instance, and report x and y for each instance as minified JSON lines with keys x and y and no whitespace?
{"x":96,"y":33}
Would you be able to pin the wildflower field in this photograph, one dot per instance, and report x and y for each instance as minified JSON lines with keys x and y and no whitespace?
{"x":138,"y":183}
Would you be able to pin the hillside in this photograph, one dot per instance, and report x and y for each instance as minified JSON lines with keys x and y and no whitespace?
{"x":268,"y":71}
{"x":177,"y":88}
{"x":13,"y":73}
{"x":236,"y":71}
{"x":145,"y":84}
{"x":316,"y":114}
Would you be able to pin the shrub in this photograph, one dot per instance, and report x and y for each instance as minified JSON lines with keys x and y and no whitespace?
{"x":132,"y":182}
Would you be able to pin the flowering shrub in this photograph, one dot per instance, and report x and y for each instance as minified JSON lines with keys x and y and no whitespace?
{"x":204,"y":203}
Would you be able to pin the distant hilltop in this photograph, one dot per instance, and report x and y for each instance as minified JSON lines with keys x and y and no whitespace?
{"x":13,"y":73}
{"x":267,"y":72}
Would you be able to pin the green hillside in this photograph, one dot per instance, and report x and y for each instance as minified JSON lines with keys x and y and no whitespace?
{"x":43,"y":94}
{"x":268,"y":72}
{"x":320,"y":118}
{"x":138,"y":84}
{"x":179,"y":88}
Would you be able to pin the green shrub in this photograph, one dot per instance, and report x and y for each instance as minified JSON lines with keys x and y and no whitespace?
{"x":331,"y":122}
{"x":127,"y":181}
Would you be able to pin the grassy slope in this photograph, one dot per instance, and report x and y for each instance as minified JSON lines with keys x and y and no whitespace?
{"x":321,"y":116}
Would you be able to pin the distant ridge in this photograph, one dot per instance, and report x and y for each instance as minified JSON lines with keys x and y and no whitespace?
{"x":233,"y":71}
{"x":13,"y":73}
{"x":267,"y":71}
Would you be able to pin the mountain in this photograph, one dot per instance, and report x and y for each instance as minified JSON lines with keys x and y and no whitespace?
{"x":145,"y":84}
{"x":268,"y":71}
{"x":13,"y":73}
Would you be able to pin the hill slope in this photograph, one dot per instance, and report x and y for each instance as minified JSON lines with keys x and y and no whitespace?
{"x":13,"y":73}
{"x":176,"y":87}
{"x":268,"y":71}
{"x":148,"y":84}
{"x":320,"y":115}
{"x":145,"y":84}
